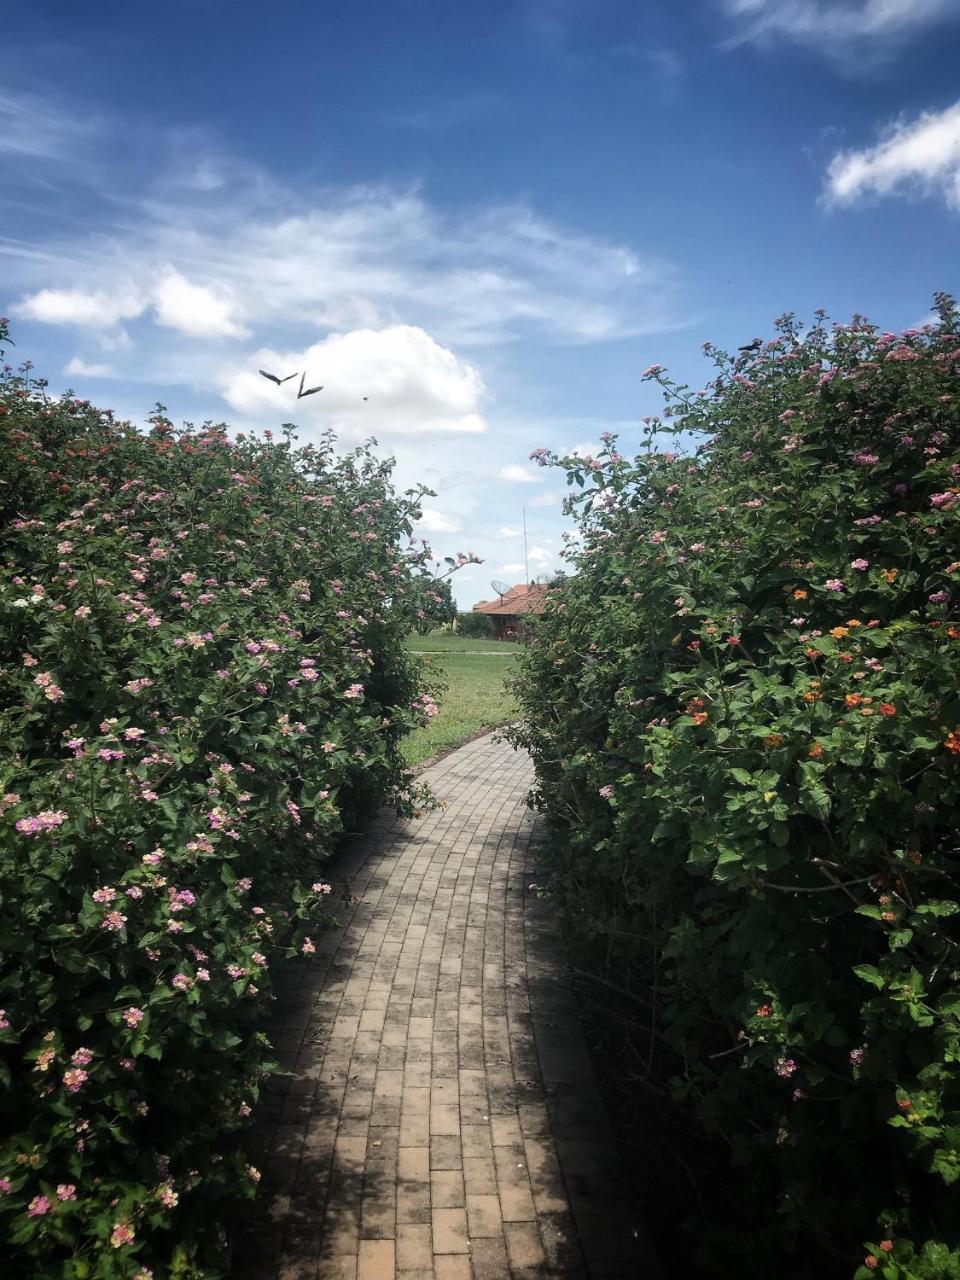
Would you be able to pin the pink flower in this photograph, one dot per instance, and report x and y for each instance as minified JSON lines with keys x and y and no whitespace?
{"x":66,"y":1191}
{"x":856,"y":1057}
{"x":45,"y":821}
{"x":606,"y":792}
{"x":39,"y":1205}
{"x":652,"y":370}
{"x":6,"y":1186}
{"x":103,"y":896}
{"x":133,"y":1016}
{"x":122,"y":1234}
{"x":834,"y":584}
{"x":114,"y":921}
{"x":132,"y":734}
{"x":307,"y":948}
{"x":321,"y":887}
{"x":354,"y":691}
{"x":75,"y":1079}
{"x":4,"y":1020}
{"x":182,"y":982}
{"x":82,"y":612}
{"x":860,"y":565}
{"x":785,"y":1067}
{"x":82,"y":1057}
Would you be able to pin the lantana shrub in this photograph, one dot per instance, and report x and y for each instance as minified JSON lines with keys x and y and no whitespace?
{"x":203,"y":681}
{"x":744,"y":709}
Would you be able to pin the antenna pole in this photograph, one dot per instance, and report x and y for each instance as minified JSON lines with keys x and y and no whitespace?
{"x":526,"y":562}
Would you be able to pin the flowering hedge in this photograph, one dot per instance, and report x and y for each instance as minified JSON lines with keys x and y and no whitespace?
{"x":744,"y":709}
{"x":202,"y":681}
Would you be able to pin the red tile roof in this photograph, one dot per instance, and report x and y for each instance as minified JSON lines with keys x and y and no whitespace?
{"x":523,"y":598}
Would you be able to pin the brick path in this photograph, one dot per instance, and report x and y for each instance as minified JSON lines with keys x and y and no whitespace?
{"x":441,"y":1118}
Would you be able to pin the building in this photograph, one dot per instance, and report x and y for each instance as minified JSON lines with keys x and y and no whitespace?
{"x":509,"y":610}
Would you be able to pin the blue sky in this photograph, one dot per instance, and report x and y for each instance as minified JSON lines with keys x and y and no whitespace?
{"x":487,"y":218}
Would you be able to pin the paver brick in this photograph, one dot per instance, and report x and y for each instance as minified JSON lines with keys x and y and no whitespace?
{"x":441,"y":1119}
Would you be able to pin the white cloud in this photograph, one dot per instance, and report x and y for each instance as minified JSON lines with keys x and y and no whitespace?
{"x":193,"y":309}
{"x":31,"y":126}
{"x":436,"y":522}
{"x":411,"y":383}
{"x":829,"y":22}
{"x":87,"y":310}
{"x":517,"y":474}
{"x":362,"y":257}
{"x":920,"y":156}
{"x":511,"y":570}
{"x":82,"y":369}
{"x":509,"y":531}
{"x":546,"y":500}
{"x":539,"y":556}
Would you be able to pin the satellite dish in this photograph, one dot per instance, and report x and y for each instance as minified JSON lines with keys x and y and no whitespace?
{"x":500,"y":587}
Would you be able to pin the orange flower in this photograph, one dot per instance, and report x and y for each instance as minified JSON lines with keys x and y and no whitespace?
{"x":846,"y":658}
{"x":854,"y":622}
{"x":799,"y":595}
{"x":853,"y":699}
{"x":816,"y":751}
{"x":866,"y":711}
{"x":953,"y":633}
{"x":871,"y":1261}
{"x":812,"y":653}
{"x":700,"y":717}
{"x":887,"y":709}
{"x":952,"y":742}
{"x":774,"y":740}
{"x":839,"y":633}
{"x":886,"y":1246}
{"x":764,"y":1011}
{"x":813,"y":695}
{"x":891,"y":574}
{"x":904,"y":1104}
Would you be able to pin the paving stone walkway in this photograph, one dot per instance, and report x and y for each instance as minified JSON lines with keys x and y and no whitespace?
{"x":441,"y":1118}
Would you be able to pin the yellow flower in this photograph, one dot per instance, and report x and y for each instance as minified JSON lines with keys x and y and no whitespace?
{"x":839,"y":632}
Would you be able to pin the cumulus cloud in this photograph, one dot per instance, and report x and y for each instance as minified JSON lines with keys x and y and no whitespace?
{"x":193,"y":309}
{"x":509,"y":531}
{"x":921,"y":156}
{"x":82,"y":369}
{"x":546,"y":500}
{"x":411,"y":383}
{"x":514,"y":473}
{"x":436,"y":522}
{"x":827,"y":22}
{"x":98,"y":309}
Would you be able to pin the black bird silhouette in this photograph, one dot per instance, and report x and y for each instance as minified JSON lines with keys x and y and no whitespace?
{"x":310,"y":390}
{"x":751,"y":346}
{"x":273,"y":377}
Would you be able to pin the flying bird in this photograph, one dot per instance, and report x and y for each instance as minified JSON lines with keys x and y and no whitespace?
{"x":310,"y":390}
{"x":273,"y":377}
{"x":751,"y":346}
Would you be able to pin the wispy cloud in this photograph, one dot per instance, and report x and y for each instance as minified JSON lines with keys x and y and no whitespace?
{"x":916,"y":157}
{"x":358,"y":257}
{"x":827,"y":23}
{"x":450,"y":113}
{"x":32,"y":126}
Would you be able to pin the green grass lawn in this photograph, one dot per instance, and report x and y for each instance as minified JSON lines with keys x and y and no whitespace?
{"x":474,"y":671}
{"x":446,"y":642}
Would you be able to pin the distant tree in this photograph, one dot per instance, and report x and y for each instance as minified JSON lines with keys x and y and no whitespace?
{"x":438,"y":607}
{"x":475,"y":625}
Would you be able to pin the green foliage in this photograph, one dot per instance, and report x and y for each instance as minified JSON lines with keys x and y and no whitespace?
{"x":438,"y":607}
{"x":744,"y":710}
{"x":475,"y":626}
{"x":203,"y":680}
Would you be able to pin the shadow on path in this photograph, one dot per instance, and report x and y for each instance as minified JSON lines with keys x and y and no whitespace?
{"x":441,"y":1118}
